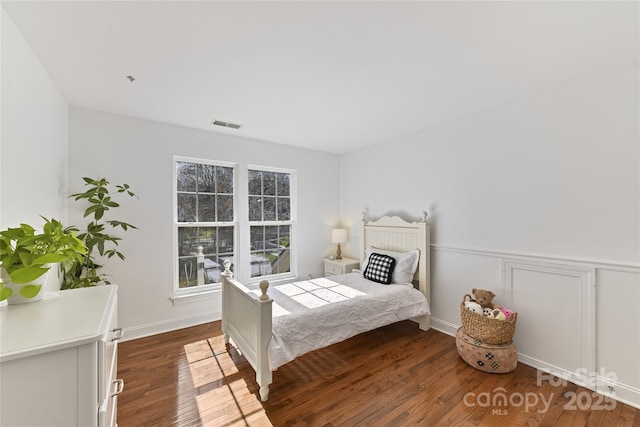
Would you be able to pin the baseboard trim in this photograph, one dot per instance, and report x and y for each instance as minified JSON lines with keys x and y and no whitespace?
{"x":444,"y":326}
{"x":168,"y":325}
{"x":618,"y":391}
{"x":602,"y":385}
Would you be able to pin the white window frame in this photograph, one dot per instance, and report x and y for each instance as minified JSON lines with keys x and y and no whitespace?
{"x":182,"y":295}
{"x":246,"y":224}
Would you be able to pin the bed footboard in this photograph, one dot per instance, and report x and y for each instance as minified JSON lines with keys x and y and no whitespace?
{"x":246,"y":320}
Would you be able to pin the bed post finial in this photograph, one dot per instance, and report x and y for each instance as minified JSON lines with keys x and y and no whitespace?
{"x":264,"y":285}
{"x":425,"y":214}
{"x":364,"y":216}
{"x":227,"y":269}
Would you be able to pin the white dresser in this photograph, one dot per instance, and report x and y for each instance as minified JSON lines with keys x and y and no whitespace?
{"x":59,"y":360}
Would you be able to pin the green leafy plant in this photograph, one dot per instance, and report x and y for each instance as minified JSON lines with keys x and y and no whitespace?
{"x":99,"y":195}
{"x":26,"y":255}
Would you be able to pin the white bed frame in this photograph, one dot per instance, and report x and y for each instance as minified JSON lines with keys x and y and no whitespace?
{"x":247,"y":317}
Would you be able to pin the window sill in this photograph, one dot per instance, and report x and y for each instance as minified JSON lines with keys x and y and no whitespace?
{"x":193,"y":297}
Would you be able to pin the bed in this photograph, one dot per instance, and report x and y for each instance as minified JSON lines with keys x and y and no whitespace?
{"x":271,"y":327}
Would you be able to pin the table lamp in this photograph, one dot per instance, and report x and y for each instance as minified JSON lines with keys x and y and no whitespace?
{"x":339,"y":235}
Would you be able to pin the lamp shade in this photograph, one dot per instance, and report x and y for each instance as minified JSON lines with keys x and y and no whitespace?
{"x":339,"y":235}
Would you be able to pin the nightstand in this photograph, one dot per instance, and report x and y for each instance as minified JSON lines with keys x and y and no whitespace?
{"x":340,"y":266}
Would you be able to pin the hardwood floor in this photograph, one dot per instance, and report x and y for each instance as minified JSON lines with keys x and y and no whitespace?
{"x":394,"y":376}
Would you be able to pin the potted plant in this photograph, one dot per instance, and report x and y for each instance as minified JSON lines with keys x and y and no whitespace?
{"x":100,"y":196}
{"x":26,"y":256}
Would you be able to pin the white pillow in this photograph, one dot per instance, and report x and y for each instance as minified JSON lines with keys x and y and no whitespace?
{"x":406,"y":263}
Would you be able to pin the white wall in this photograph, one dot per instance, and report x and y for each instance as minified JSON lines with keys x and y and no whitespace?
{"x":556,"y":176}
{"x":34,"y":135}
{"x":140,"y":153}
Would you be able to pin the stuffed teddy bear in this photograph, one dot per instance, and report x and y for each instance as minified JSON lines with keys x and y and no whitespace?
{"x":486,"y":312}
{"x":471,"y":305}
{"x":484,"y":298}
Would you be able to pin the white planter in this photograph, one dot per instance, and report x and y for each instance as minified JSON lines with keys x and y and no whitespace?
{"x":54,"y":281}
{"x":16,"y":298}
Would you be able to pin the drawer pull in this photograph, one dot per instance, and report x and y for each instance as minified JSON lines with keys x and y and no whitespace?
{"x":119,"y":383}
{"x":117,"y":334}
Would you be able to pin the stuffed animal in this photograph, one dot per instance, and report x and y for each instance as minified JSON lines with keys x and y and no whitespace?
{"x":471,"y":305}
{"x":486,"y":312}
{"x":484,"y":298}
{"x":507,"y":313}
{"x":496,"y":313}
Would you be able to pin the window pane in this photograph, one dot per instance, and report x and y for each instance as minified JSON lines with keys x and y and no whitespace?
{"x":225,"y":208}
{"x":272,"y":256}
{"x":225,"y":240}
{"x":269,"y":209}
{"x":224,"y":178}
{"x":206,"y":208}
{"x":283,"y":184}
{"x":260,"y":265}
{"x":206,"y":239}
{"x":269,"y":181}
{"x":255,"y":208}
{"x":187,"y":240}
{"x":283,"y":263}
{"x":206,"y":179}
{"x":186,"y":207}
{"x":257,"y":238}
{"x":284,"y":209}
{"x":212,"y":270}
{"x":186,"y":176}
{"x":255,"y":183}
{"x":187,"y":272}
{"x":284,"y":234}
{"x":271,"y":237}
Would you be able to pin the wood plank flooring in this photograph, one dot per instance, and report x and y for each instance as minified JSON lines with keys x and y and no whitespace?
{"x":394,"y":376}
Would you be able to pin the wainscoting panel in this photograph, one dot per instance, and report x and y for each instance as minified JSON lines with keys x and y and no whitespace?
{"x":556,"y":327}
{"x":577,"y":317}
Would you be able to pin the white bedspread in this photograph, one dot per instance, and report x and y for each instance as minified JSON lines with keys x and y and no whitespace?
{"x":316,"y":313}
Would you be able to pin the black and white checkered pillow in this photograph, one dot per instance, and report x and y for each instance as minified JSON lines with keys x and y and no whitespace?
{"x":380,"y":268}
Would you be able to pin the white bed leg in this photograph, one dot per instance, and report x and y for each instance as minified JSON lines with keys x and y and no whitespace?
{"x":264,"y":393}
{"x":425,"y":322}
{"x":226,"y":338}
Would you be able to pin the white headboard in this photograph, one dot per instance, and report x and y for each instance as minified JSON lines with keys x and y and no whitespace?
{"x":392,"y":233}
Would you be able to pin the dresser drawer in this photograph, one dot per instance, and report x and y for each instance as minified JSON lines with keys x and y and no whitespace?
{"x":330,"y":269}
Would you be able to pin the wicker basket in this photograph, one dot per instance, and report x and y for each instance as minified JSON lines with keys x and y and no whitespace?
{"x":486,"y":329}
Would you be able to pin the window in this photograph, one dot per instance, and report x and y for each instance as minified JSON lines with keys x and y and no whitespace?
{"x":204,"y":222}
{"x":213,"y":213}
{"x":270,"y":222}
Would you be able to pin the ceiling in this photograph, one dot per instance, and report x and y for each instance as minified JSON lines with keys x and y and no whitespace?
{"x":329,"y":76}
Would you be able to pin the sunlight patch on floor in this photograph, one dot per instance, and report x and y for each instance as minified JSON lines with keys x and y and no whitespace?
{"x":223,"y":396}
{"x":231,"y":404}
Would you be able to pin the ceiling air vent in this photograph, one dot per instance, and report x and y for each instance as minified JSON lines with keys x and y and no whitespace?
{"x":226,"y":124}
